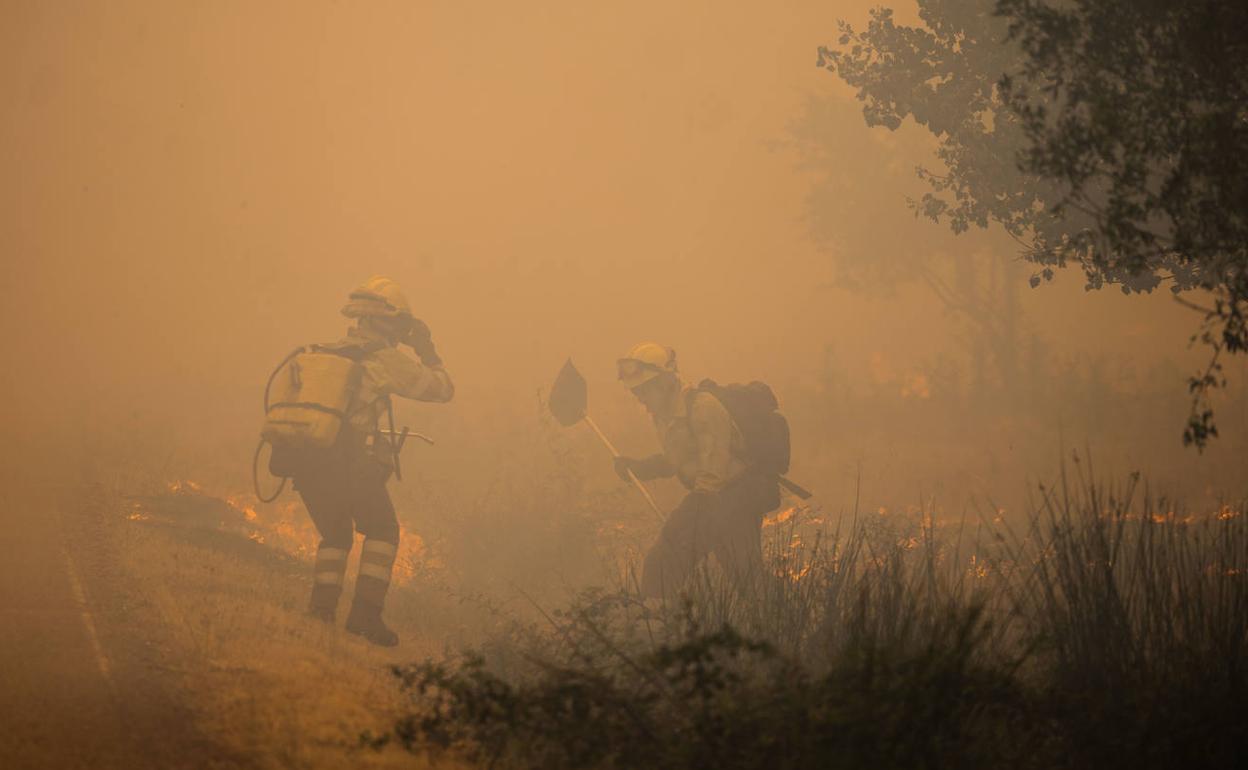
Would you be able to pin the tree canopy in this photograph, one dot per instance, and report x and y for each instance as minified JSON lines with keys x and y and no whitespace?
{"x":1111,"y":135}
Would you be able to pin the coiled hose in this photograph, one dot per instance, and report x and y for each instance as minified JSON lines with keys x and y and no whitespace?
{"x":255,"y":458}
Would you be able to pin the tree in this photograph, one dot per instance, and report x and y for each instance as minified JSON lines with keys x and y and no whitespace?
{"x":1108,"y":134}
{"x":981,"y":290}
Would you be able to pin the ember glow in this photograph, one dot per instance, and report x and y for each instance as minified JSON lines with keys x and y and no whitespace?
{"x":283,"y":526}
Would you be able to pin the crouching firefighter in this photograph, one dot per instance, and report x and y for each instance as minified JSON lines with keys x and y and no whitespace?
{"x":324,"y":406}
{"x":728,"y":446}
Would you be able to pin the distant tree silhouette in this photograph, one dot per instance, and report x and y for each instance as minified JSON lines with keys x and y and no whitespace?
{"x":1107,"y":134}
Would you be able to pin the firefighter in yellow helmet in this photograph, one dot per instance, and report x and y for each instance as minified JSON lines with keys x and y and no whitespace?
{"x":704,"y":448}
{"x":344,"y":487}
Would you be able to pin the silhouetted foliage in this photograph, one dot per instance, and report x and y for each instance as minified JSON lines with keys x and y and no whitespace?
{"x":1113,"y":632}
{"x":1108,"y":134}
{"x":720,"y":700}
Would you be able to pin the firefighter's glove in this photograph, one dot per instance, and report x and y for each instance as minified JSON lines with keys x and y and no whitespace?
{"x":624,"y":466}
{"x":420,"y":339}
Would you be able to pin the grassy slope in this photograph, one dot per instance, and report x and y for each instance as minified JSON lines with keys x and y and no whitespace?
{"x":268,"y":684}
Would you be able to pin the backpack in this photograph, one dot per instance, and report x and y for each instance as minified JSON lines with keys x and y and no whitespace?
{"x":305,"y":406}
{"x":308,"y":394}
{"x":753,"y":407}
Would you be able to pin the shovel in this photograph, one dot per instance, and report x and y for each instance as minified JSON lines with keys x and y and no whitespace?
{"x":568,"y":401}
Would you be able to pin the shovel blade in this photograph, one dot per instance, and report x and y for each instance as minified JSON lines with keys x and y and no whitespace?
{"x":568,"y":396}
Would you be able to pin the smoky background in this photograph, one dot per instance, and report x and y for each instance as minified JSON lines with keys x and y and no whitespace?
{"x":190,"y":190}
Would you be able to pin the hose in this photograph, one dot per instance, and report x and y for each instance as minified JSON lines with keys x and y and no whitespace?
{"x":268,"y":385}
{"x":255,"y":476}
{"x":255,"y":458}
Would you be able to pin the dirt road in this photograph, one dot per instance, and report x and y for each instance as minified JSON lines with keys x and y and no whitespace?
{"x":77,"y":687}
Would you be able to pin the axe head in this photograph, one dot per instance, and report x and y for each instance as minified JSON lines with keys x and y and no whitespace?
{"x":568,"y":396}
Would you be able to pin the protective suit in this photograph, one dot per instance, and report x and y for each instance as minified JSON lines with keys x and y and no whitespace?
{"x":722,"y":513}
{"x":344,"y":486}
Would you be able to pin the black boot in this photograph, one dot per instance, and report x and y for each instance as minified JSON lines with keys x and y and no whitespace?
{"x":365,"y":620}
{"x":324,"y":603}
{"x":376,"y":564}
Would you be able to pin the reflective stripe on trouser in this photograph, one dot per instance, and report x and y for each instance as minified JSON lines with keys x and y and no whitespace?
{"x":331,"y":566}
{"x":376,"y":564}
{"x":328,"y":573}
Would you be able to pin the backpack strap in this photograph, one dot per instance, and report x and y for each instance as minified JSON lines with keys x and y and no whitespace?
{"x":692,"y":396}
{"x":357,"y":352}
{"x":705,"y":386}
{"x":712,"y":388}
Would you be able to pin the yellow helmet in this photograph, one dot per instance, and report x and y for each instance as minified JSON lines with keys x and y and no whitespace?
{"x":645,"y":361}
{"x":377,"y":297}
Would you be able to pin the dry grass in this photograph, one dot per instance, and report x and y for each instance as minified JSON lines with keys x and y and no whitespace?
{"x":503,"y":548}
{"x":268,"y":683}
{"x":1111,"y":632}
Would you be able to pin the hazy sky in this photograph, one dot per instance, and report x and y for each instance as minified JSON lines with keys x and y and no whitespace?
{"x":188,"y":190}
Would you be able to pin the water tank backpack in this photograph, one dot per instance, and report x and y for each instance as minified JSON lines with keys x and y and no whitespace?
{"x":753,"y":407}
{"x":307,"y":398}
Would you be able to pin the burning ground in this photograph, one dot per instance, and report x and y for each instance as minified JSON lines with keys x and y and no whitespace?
{"x":217,"y":587}
{"x":883,"y":637}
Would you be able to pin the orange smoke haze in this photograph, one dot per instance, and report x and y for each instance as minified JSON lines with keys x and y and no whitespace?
{"x":188,"y":191}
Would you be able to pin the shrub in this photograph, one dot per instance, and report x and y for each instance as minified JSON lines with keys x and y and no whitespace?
{"x":1111,"y":632}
